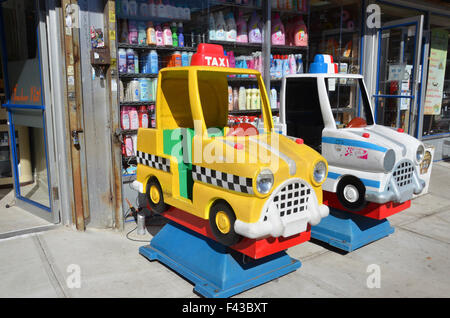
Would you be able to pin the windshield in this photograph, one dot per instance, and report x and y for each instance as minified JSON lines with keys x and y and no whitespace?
{"x":349,"y":102}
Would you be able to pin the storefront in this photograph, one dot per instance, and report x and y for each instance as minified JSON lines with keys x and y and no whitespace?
{"x":84,"y":80}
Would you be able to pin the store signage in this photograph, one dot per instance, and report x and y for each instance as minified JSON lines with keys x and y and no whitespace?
{"x":436,"y":72}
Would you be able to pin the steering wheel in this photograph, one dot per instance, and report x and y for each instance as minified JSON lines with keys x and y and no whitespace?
{"x":243,"y":129}
{"x":357,"y":122}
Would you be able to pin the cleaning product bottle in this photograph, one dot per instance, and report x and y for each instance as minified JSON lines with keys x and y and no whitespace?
{"x":231,"y":32}
{"x":300,"y":32}
{"x":153,"y":62}
{"x":254,"y":101}
{"x":134,"y":118}
{"x":242,"y":98}
{"x":230,"y":98}
{"x":143,"y":9}
{"x":151,"y":8}
{"x":220,"y":27}
{"x":130,"y":61}
{"x":248,"y":103}
{"x":180,"y":35}
{"x":212,"y":28}
{"x":159,"y":35}
{"x":132,"y":8}
{"x":186,"y":12}
{"x":123,"y":61}
{"x":151,"y":34}
{"x":184,"y":59}
{"x":142,"y":33}
{"x":124,"y":118}
{"x":292,"y":64}
{"x":235,"y":98}
{"x":128,"y":146}
{"x":272,"y":66}
{"x":136,"y":62}
{"x":285,"y":65}
{"x":241,"y":27}
{"x":177,"y":58}
{"x":167,"y":34}
{"x":124,"y":7}
{"x":254,"y":30}
{"x":278,"y":32}
{"x":124,"y":31}
{"x":143,"y":117}
{"x":174,"y":34}
{"x":299,"y":64}
{"x":132,"y":32}
{"x":273,"y":98}
{"x":231,"y":59}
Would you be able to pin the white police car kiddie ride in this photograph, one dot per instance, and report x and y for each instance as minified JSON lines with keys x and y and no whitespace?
{"x":367,"y":162}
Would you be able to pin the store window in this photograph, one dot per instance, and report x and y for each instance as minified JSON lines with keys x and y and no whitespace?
{"x":436,"y":120}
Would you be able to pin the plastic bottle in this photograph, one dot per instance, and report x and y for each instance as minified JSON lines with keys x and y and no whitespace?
{"x":230,"y":98}
{"x":220,"y":27}
{"x":124,"y":118}
{"x":143,"y":9}
{"x":180,"y":35}
{"x":136,"y":62}
{"x":151,"y":34}
{"x":186,"y":12}
{"x":242,"y":98}
{"x":231,"y":32}
{"x":300,"y":32}
{"x":212,"y":28}
{"x":292,"y":64}
{"x":159,"y":35}
{"x":255,"y":98}
{"x":161,"y":10}
{"x":123,"y":61}
{"x":254,"y":30}
{"x":248,"y":103}
{"x":130,"y":61}
{"x":174,"y":34}
{"x":151,"y":8}
{"x":124,"y":32}
{"x":128,"y":146}
{"x":235,"y":98}
{"x":278,"y":32}
{"x":142,"y":33}
{"x":241,"y":28}
{"x":167,"y":34}
{"x":190,"y":57}
{"x":184,"y":59}
{"x":285,"y":65}
{"x":144,"y":89}
{"x":170,"y":9}
{"x":143,"y":117}
{"x":231,"y":59}
{"x":124,"y":7}
{"x":132,"y":8}
{"x":273,"y":98}
{"x":153,"y":62}
{"x":299,"y":64}
{"x":134,"y":118}
{"x":132,"y":32}
{"x":177,"y":58}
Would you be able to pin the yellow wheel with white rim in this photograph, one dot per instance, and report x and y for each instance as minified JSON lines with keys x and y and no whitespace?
{"x":221,"y":221}
{"x":155,"y":196}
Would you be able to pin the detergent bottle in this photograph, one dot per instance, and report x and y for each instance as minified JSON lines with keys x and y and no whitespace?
{"x":230,"y":28}
{"x":124,"y":118}
{"x":300,"y":32}
{"x":174,"y":34}
{"x":130,"y":61}
{"x":212,"y":28}
{"x":180,"y":35}
{"x":220,"y":27}
{"x":292,"y":64}
{"x":124,"y":32}
{"x":273,"y":98}
{"x":151,"y":34}
{"x":143,"y":117}
{"x":184,"y":59}
{"x":159,"y":35}
{"x":285,"y":65}
{"x":132,"y":32}
{"x":134,"y":118}
{"x":132,"y":8}
{"x":122,"y":61}
{"x":278,"y":32}
{"x":248,"y":103}
{"x":167,"y":34}
{"x":242,"y":98}
{"x":153,"y":62}
{"x":142,"y":33}
{"x":235,"y":98}
{"x":241,"y":26}
{"x":230,"y":98}
{"x":151,"y":8}
{"x":254,"y":30}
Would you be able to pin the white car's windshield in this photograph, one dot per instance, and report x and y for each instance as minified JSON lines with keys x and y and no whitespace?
{"x":348,"y":102}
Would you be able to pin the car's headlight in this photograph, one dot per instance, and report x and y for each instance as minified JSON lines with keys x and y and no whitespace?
{"x":389,"y":160}
{"x":264,"y":181}
{"x":320,"y":172}
{"x":420,"y":154}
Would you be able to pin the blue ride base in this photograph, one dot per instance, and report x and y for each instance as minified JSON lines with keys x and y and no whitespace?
{"x":216,"y":270}
{"x":348,"y":231}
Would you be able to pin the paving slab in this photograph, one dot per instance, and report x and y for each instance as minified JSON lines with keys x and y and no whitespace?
{"x":436,"y":226}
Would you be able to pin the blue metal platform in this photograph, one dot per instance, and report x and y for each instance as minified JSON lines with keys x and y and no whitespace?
{"x":216,"y":270}
{"x":348,"y":231}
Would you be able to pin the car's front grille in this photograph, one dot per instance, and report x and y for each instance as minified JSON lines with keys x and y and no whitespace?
{"x":403,"y":174}
{"x":292,"y":199}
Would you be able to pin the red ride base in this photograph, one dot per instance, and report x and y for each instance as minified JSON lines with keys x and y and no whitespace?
{"x":372,"y":210}
{"x":253,"y":248}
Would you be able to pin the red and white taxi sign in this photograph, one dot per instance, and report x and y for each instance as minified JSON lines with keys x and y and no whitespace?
{"x":210,"y":55}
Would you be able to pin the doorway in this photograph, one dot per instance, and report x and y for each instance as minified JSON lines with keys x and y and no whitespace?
{"x":26,"y":105}
{"x":398,"y":73}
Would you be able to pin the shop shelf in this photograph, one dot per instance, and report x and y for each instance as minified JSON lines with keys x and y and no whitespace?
{"x":136,"y":75}
{"x":139,"y":103}
{"x":219,"y":6}
{"x":249,"y":111}
{"x":155,"y":47}
{"x":150,"y":18}
{"x":285,"y":49}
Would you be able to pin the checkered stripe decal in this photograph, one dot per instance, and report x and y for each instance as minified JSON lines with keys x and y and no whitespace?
{"x":223,"y":180}
{"x":153,"y":161}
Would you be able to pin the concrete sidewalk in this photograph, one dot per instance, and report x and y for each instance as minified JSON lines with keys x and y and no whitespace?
{"x":413,"y":262}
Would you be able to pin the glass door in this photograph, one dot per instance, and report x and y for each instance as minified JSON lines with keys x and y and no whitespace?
{"x":21,"y":60}
{"x":398,"y":73}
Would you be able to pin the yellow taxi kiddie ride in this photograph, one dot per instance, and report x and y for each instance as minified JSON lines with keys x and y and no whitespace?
{"x":194,"y":162}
